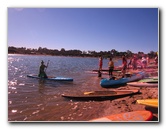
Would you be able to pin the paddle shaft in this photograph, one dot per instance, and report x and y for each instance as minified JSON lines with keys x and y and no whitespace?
{"x":47,"y":65}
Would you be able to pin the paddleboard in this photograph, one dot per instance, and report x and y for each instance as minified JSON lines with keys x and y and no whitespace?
{"x":51,"y":78}
{"x":143,"y":84}
{"x":149,"y":102}
{"x":105,"y":70}
{"x":100,"y":94}
{"x":127,"y":116}
{"x":108,"y":83}
{"x":95,"y":72}
{"x":149,"y":80}
{"x":153,"y":77}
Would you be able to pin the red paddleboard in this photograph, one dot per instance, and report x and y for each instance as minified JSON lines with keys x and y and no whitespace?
{"x":127,"y":116}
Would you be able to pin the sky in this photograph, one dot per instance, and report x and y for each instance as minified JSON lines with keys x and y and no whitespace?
{"x":85,"y":29}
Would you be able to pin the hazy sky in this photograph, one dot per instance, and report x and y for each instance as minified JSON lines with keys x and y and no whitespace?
{"x":98,"y":29}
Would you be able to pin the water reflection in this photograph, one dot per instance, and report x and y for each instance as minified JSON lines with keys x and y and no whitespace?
{"x":41,"y":85}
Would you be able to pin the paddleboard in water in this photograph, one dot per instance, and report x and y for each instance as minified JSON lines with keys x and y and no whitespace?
{"x":127,"y":116}
{"x":143,"y":84}
{"x":51,"y":78}
{"x":100,"y":94}
{"x":149,"y":102}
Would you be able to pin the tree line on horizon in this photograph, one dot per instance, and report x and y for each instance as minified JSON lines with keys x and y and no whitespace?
{"x":75,"y":52}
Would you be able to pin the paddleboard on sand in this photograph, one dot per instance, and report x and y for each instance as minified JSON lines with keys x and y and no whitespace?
{"x":100,"y":94}
{"x":149,"y":102}
{"x":149,"y":80}
{"x":51,"y":78}
{"x":108,"y":83}
{"x":127,"y":116}
{"x":143,"y":84}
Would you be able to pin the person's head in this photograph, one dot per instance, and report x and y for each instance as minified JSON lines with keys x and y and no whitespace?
{"x":123,"y":58}
{"x":42,"y":62}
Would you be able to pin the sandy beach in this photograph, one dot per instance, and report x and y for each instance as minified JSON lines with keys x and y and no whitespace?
{"x":129,"y":103}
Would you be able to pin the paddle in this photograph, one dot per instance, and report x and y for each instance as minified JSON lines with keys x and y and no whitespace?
{"x":47,"y":65}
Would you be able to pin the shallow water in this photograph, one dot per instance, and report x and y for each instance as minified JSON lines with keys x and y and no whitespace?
{"x":37,"y":100}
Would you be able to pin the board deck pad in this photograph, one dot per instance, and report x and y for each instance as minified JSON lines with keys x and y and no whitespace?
{"x":127,"y":116}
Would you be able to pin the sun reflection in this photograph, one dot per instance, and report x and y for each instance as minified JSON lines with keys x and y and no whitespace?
{"x":12,"y":83}
{"x":10,"y":102}
{"x":14,"y":111}
{"x":21,"y":84}
{"x":13,"y":88}
{"x":35,"y":112}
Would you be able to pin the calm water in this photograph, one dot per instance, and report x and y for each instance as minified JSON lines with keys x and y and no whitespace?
{"x":35,"y":100}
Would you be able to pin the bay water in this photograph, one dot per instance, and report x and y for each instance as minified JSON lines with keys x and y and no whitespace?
{"x":32,"y":99}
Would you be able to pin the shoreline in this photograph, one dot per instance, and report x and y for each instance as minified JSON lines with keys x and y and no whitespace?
{"x":128,"y":104}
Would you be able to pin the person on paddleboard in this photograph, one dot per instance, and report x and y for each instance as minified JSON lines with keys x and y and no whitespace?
{"x":42,"y":72}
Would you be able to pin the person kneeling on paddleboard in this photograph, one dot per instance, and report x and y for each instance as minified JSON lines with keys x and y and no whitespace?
{"x":42,"y":70}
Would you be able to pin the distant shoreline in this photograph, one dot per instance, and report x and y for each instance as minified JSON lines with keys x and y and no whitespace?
{"x":78,"y":53}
